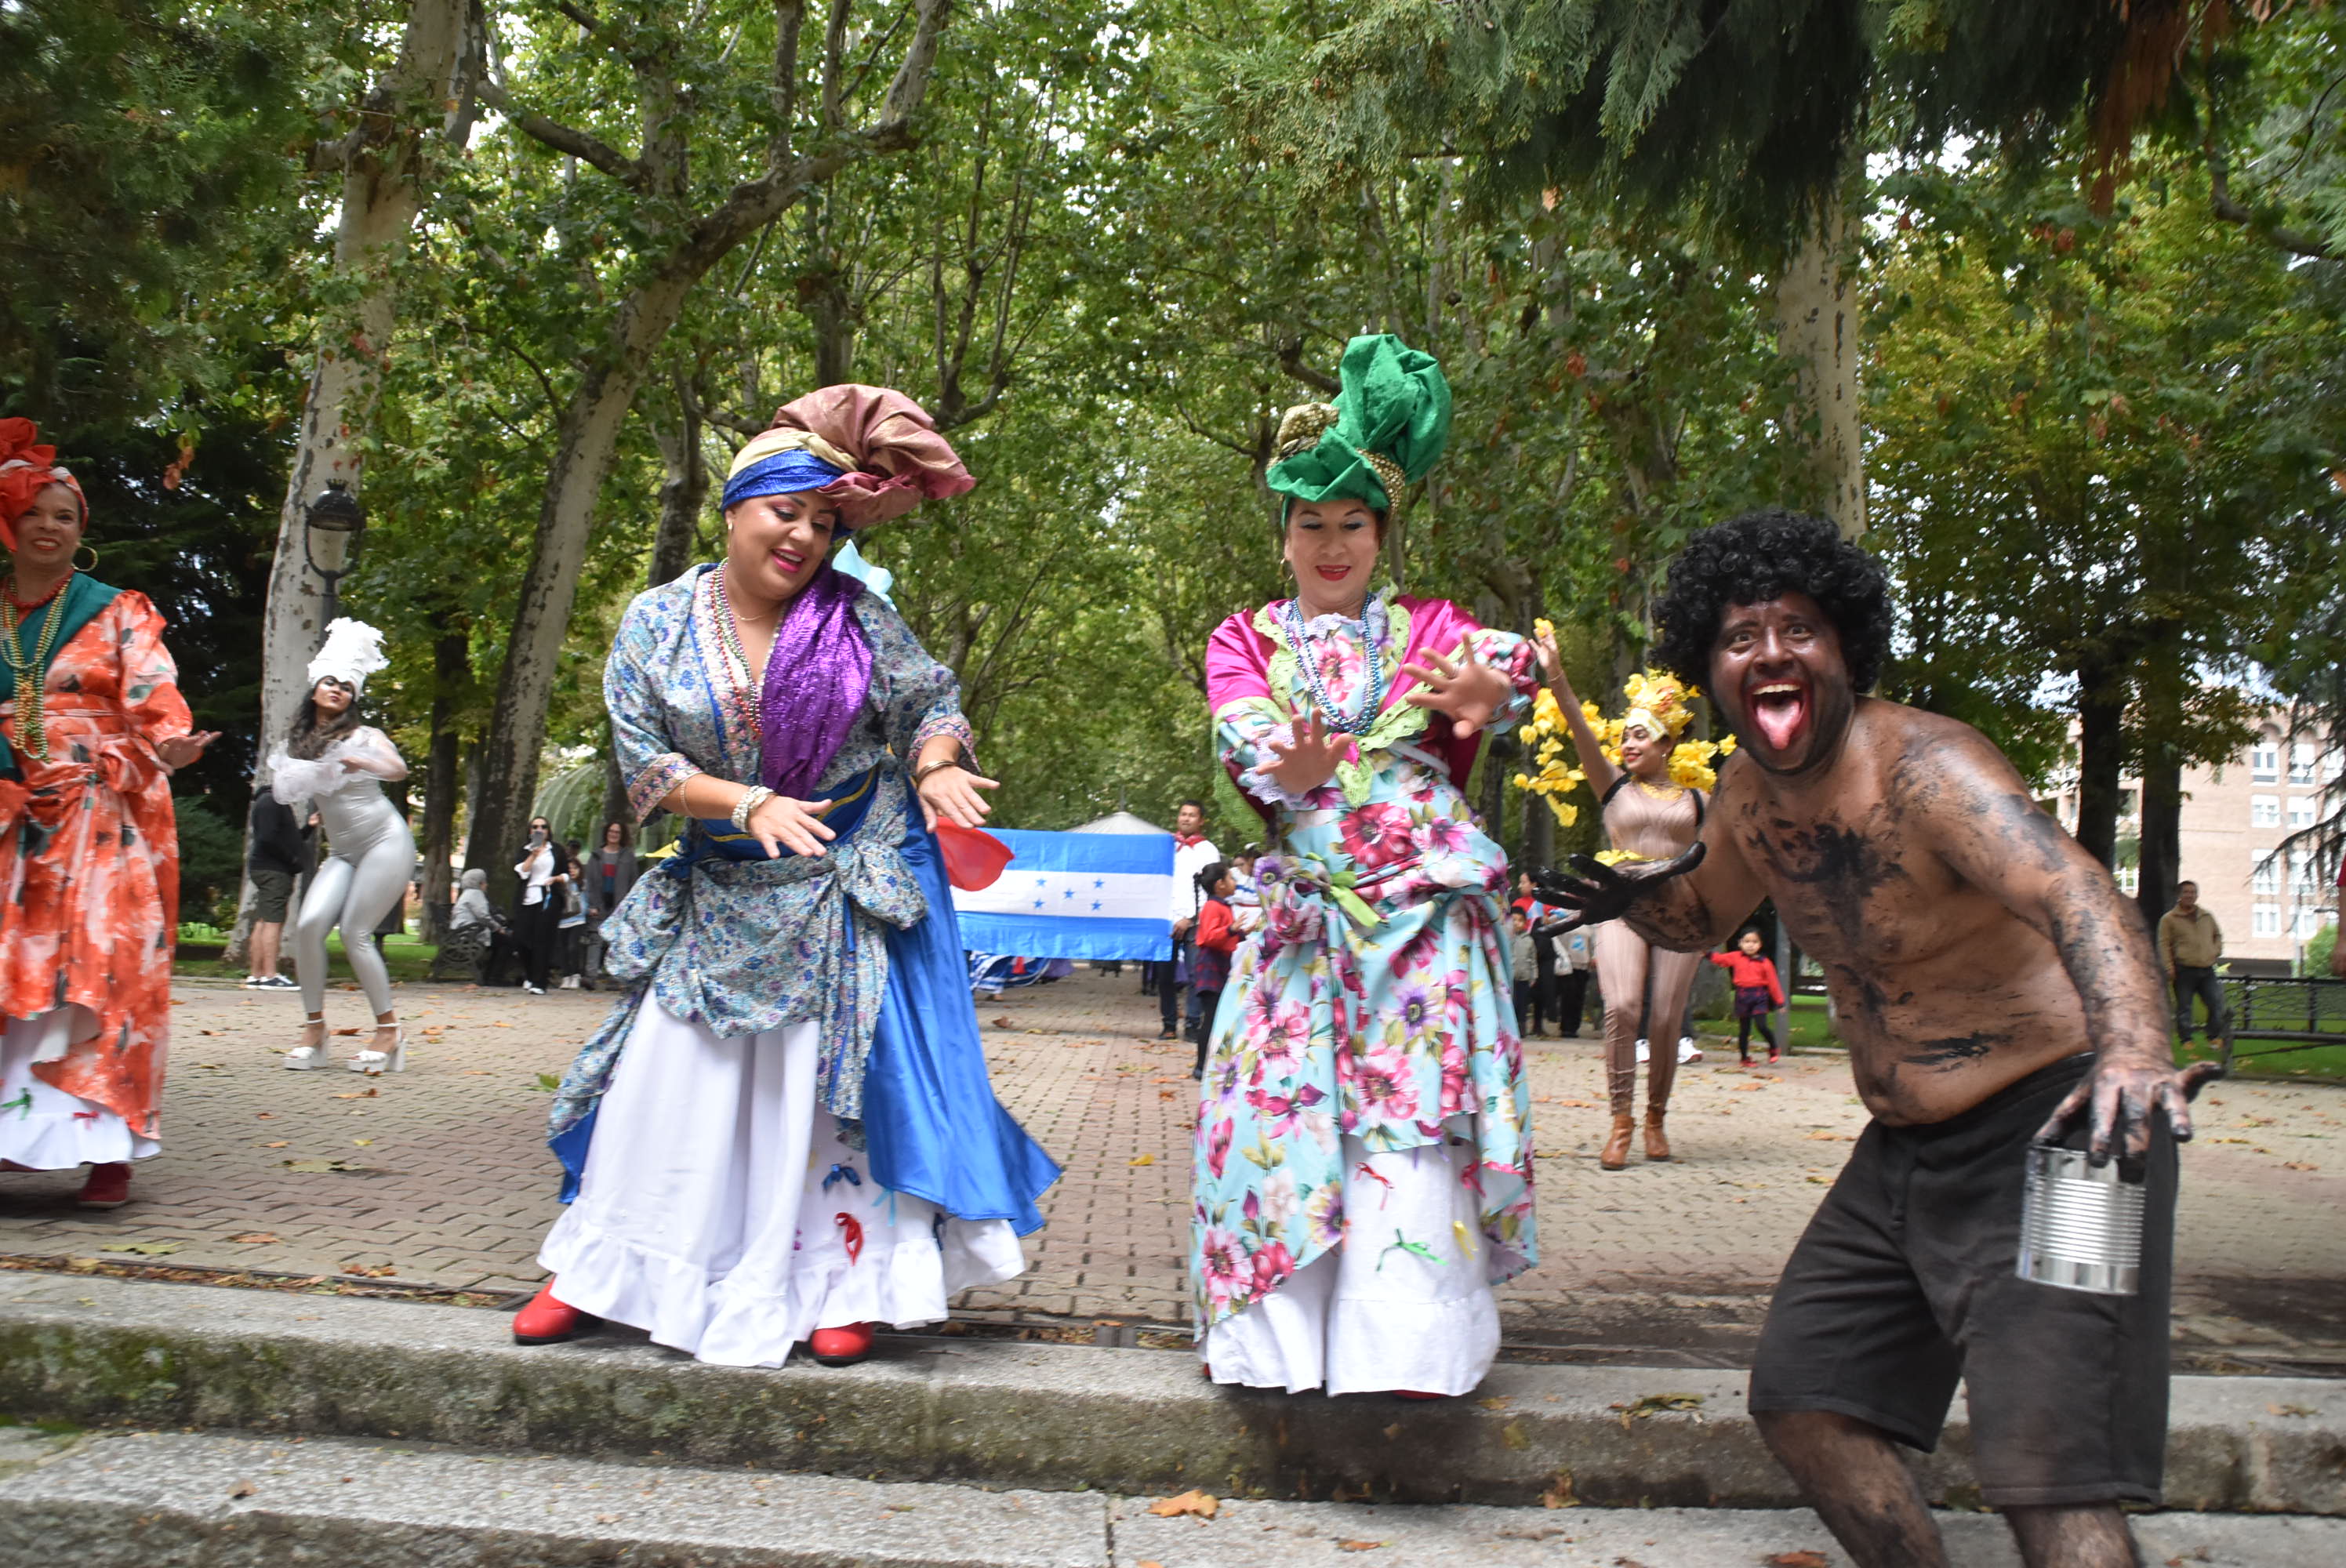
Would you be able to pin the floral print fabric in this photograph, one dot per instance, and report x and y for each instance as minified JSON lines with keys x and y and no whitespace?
{"x":1375,"y":1002}
{"x":89,"y":861}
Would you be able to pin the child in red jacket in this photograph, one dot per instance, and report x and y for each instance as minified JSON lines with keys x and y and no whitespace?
{"x":1212,"y":943}
{"x":1758,"y":993}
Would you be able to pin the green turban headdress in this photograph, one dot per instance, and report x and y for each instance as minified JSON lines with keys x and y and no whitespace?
{"x":1386,"y":428}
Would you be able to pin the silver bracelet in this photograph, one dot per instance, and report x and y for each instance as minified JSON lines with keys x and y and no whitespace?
{"x":751,"y":798}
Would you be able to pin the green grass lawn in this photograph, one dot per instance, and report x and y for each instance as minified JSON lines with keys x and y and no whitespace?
{"x":1812,"y":1031}
{"x":404,"y":956}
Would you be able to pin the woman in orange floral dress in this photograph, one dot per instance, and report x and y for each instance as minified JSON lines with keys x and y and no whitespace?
{"x":92,"y":728}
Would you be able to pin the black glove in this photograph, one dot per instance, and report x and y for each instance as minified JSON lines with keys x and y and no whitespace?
{"x":1602,"y":893}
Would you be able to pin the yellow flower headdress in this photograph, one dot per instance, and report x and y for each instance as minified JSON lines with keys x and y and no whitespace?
{"x":1655,"y":701}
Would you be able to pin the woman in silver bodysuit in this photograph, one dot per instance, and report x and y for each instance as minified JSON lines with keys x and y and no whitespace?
{"x":339,"y":767}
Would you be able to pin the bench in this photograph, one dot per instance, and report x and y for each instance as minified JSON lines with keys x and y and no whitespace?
{"x":2299,"y":1012}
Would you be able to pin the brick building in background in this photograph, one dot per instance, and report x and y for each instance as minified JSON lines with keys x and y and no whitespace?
{"x":2235,"y":816}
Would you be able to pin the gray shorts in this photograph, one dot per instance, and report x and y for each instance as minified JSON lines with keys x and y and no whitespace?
{"x":272,"y":893}
{"x":1903,"y":1284}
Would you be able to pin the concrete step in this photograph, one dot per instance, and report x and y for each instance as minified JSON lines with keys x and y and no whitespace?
{"x":101,"y":1352}
{"x":223,"y":1501}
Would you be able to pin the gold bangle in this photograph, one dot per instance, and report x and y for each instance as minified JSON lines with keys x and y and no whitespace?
{"x":939,"y":766}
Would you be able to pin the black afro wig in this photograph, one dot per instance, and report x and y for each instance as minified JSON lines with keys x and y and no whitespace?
{"x":1765,"y":555}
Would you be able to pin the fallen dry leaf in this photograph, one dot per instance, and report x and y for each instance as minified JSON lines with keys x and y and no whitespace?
{"x":279,"y":1143}
{"x":1495,"y":1402}
{"x":145,"y":1248}
{"x":2289,"y":1410}
{"x":1142,"y":1160}
{"x":363,"y":1143}
{"x":1358,"y":1545}
{"x":1003,"y":1023}
{"x":356,"y":1094}
{"x":1202,"y":1505}
{"x":242,"y":1489}
{"x":2298,"y":1166}
{"x":1514,"y":1435}
{"x":254,"y":1238}
{"x":1799,"y":1560}
{"x":1559,"y":1492}
{"x":346,"y":1032}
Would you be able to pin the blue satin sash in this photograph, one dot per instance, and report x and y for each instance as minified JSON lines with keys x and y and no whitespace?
{"x":932,"y":1125}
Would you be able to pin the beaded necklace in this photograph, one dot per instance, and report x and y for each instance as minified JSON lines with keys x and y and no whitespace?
{"x":31,"y":731}
{"x":729,"y":631}
{"x":1291,"y":622}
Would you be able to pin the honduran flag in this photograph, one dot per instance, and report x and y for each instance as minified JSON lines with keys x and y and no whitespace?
{"x":1075,"y":895}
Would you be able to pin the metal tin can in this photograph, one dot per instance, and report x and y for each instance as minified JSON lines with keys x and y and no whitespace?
{"x":2080,"y":1226}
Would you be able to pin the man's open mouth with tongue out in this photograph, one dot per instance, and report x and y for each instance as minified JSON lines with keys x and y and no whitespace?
{"x":1780,"y":709}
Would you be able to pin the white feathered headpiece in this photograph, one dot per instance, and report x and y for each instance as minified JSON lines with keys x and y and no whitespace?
{"x":353,"y":651}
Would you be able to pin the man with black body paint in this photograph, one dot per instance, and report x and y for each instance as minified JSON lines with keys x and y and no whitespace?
{"x":1993,"y":987}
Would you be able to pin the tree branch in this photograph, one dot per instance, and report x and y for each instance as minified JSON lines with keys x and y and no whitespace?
{"x":2221,"y":202}
{"x":1290,"y":360}
{"x":565,"y":140}
{"x":789,"y":15}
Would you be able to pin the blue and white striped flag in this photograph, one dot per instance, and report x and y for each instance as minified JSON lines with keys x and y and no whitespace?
{"x":1075,"y":895}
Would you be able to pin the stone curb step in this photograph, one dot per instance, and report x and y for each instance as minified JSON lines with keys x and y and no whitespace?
{"x":229,"y":1502}
{"x":98,"y":1352}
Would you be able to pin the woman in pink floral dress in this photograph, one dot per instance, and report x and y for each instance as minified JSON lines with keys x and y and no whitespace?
{"x":1363,"y":1155}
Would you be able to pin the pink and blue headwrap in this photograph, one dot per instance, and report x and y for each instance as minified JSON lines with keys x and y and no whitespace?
{"x":782,"y":463}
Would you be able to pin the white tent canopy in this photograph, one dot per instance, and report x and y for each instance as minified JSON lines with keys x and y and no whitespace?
{"x":1120,"y":822}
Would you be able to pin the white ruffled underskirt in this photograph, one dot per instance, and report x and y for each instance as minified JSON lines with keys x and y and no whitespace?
{"x":43,"y":1128}
{"x":703,"y":1216}
{"x":1365,"y":1317}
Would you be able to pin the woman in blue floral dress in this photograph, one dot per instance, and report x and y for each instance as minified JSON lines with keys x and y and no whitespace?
{"x":785,"y":1131}
{"x":1363,"y":1174}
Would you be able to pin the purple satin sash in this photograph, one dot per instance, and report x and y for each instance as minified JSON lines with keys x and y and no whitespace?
{"x":816,"y":680}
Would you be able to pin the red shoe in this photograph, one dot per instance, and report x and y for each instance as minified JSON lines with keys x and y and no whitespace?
{"x":108,"y":1186}
{"x":841,"y":1346}
{"x":545,"y":1322}
{"x":1415,"y":1394}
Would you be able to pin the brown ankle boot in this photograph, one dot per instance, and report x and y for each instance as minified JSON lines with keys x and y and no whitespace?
{"x":1615,"y":1155}
{"x":1657,"y":1147}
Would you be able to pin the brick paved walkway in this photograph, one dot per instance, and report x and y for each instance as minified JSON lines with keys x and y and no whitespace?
{"x":438,"y":1177}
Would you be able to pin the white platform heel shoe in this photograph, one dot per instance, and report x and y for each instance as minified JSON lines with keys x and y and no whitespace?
{"x":305,"y":1058}
{"x":373,"y":1063}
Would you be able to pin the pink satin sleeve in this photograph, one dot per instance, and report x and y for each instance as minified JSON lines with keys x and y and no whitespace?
{"x":1237,"y":663}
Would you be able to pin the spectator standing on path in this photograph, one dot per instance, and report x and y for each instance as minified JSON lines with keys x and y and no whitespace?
{"x":2191,"y":946}
{"x":610,"y":877}
{"x":340,"y":766}
{"x":283,"y":851}
{"x":1192,"y":853}
{"x":92,"y":727}
{"x":1573,"y":963}
{"x":1522,"y":966}
{"x":1216,"y":939}
{"x":571,"y":933}
{"x":1996,"y":992}
{"x":537,"y":918}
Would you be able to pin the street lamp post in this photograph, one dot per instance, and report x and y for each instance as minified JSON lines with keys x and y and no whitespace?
{"x":336,"y":513}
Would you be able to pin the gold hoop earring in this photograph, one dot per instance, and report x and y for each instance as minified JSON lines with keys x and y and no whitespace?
{"x":93,"y":559}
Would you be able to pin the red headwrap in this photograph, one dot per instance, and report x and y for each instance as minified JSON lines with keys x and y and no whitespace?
{"x":899,"y":458}
{"x":26,"y":470}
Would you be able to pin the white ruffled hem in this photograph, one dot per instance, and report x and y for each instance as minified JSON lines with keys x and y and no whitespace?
{"x":1295,"y":1343}
{"x":43,"y":1128}
{"x":725,"y":1321}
